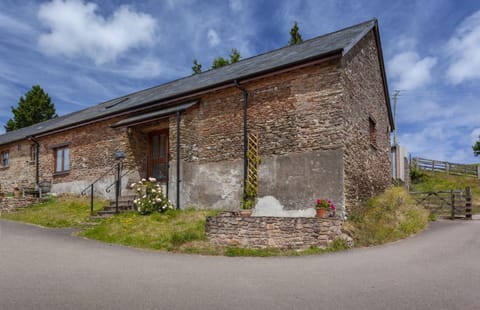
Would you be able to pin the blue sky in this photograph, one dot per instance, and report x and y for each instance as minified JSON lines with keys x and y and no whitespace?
{"x":84,"y":52}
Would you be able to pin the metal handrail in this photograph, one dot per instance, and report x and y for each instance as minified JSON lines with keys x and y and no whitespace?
{"x":117,"y":166}
{"x":114,"y":182}
{"x":99,"y":178}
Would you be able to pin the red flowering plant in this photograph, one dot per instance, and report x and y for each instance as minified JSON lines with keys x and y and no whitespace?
{"x":325,"y":204}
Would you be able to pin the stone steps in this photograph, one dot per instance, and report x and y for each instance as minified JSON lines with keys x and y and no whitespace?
{"x":125,"y":204}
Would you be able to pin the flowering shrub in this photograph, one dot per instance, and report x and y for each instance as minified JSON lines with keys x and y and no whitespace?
{"x":325,"y":204}
{"x":151,"y":197}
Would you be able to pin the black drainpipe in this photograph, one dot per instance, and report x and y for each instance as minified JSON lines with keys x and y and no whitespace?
{"x":245,"y":133}
{"x":178,"y":160}
{"x":37,"y":151}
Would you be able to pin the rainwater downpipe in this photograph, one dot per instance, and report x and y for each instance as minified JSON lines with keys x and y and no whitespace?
{"x":178,"y":160}
{"x":245,"y":138}
{"x":37,"y":165}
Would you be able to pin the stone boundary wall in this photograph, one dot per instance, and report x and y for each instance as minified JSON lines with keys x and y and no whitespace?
{"x":231,"y":229}
{"x":9,"y":204}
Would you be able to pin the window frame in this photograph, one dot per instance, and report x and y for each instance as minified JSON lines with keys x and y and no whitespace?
{"x":33,"y":153}
{"x":3,"y":159}
{"x":64,"y":163}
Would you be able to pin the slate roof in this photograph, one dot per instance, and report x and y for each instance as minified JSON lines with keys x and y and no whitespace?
{"x":340,"y":41}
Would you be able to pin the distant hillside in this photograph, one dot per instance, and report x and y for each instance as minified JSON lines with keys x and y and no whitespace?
{"x":423,"y":181}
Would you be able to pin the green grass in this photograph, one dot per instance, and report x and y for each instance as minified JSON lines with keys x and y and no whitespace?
{"x":390,"y":216}
{"x":170,"y":231}
{"x":438,"y":181}
{"x":60,"y":212}
{"x":175,"y":230}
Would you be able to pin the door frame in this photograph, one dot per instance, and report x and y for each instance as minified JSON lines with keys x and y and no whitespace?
{"x":150,"y":160}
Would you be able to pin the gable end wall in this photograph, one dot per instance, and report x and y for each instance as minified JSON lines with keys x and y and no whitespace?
{"x":367,"y":166}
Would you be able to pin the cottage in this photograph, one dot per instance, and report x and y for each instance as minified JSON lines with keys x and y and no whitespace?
{"x":319,"y":112}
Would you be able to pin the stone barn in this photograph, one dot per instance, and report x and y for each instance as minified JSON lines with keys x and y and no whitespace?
{"x":319,"y":111}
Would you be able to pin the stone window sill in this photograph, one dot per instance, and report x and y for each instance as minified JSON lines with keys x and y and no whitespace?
{"x":61,"y":173}
{"x":4,"y":167}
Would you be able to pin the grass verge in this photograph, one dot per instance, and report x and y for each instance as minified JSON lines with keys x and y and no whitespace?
{"x":175,"y":230}
{"x":57,"y":212}
{"x":437,"y":181}
{"x":390,"y":216}
{"x":169,"y":231}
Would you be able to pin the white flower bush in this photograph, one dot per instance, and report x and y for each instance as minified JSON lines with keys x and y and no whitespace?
{"x":151,"y":197}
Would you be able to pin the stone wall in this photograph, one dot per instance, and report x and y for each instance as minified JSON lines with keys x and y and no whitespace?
{"x":8,"y":204}
{"x":21,"y":170}
{"x":230,"y":229}
{"x":298,"y":118}
{"x":367,"y":164}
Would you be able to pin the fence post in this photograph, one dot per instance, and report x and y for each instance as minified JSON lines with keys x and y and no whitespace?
{"x":468,"y":203}
{"x":452,"y":202}
{"x":433,"y":165}
{"x":478,"y":171}
{"x":447,"y":167}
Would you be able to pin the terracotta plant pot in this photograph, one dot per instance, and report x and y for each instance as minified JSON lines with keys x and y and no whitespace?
{"x":322,"y":213}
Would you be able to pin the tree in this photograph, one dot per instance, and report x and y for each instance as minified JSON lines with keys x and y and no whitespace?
{"x":234,"y":56}
{"x":295,"y":36}
{"x":476,"y":147}
{"x":220,"y":61}
{"x":34,"y":108}
{"x":197,"y":67}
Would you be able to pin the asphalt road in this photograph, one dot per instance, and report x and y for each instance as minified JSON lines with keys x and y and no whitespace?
{"x":50,"y":269}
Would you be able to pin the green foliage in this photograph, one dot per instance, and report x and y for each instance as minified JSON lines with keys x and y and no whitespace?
{"x":295,"y":36}
{"x":197,"y":67}
{"x":417,"y":176}
{"x":172,"y":230}
{"x":387,"y":217}
{"x":64,"y":211}
{"x":34,"y":108}
{"x":234,"y":56}
{"x":439,"y":181}
{"x":220,"y":61}
{"x":151,"y":197}
{"x":250,"y":198}
{"x":476,"y":148}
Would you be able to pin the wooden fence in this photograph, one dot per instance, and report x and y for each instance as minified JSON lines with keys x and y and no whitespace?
{"x":445,"y":166}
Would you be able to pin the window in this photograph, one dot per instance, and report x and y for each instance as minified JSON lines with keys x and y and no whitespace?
{"x":5,"y":158}
{"x":372,"y":131}
{"x":33,"y":153}
{"x":62,"y":159}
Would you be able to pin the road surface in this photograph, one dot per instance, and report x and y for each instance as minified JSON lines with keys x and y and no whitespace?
{"x":50,"y":269}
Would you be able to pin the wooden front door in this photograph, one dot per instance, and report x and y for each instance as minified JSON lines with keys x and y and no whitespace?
{"x":158,"y":155}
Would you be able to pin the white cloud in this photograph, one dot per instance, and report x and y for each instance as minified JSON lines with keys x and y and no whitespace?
{"x":474,"y":135}
{"x":235,"y":5}
{"x":76,"y":29}
{"x":410,"y":71}
{"x":463,"y":51}
{"x":213,"y":38}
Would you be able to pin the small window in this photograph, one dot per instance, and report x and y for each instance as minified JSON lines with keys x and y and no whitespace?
{"x":33,"y":153}
{"x":372,"y":131}
{"x":5,"y":158}
{"x":62,"y":159}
